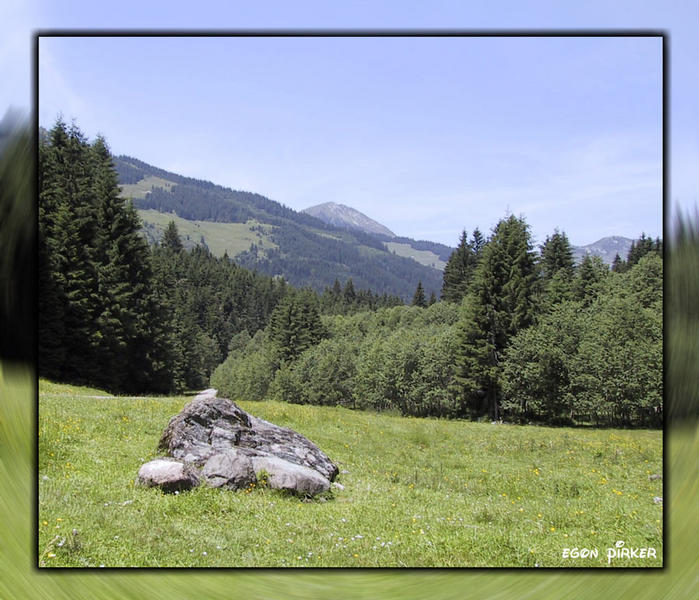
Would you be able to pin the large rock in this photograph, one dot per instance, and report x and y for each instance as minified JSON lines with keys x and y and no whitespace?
{"x":230,"y":447}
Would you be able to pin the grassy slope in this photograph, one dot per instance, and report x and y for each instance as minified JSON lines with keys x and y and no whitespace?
{"x":424,"y":257}
{"x":233,"y":238}
{"x":142,"y":187}
{"x":418,"y":492}
{"x":20,"y":579}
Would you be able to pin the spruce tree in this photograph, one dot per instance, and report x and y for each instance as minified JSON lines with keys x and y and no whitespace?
{"x":124,"y":304}
{"x":499,"y":304}
{"x":556,"y":254}
{"x":419,"y":296}
{"x":589,"y":277}
{"x":459,"y":269}
{"x":348,"y":294}
{"x":619,"y":265}
{"x":171,"y":238}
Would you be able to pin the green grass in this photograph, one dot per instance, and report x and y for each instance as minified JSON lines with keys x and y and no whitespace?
{"x":145,"y":185}
{"x":424,"y":257}
{"x":19,"y":577}
{"x":418,"y":493}
{"x":233,"y":238}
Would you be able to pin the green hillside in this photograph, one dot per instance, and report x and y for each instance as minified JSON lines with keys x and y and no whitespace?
{"x":424,"y":257}
{"x":230,"y":238}
{"x":268,"y":237}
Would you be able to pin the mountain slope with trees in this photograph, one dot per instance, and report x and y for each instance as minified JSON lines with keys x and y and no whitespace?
{"x":299,"y":247}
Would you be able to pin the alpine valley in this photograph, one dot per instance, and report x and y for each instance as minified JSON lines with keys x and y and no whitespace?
{"x":309,"y":248}
{"x":268,"y":237}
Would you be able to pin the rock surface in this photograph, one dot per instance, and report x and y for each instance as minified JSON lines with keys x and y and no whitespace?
{"x":170,"y":475}
{"x":217,"y":441}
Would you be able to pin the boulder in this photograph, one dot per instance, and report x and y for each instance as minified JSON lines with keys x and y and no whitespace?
{"x":228,"y":447}
{"x":170,"y":475}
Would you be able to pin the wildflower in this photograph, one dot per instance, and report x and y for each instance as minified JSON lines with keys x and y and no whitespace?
{"x":51,"y":555}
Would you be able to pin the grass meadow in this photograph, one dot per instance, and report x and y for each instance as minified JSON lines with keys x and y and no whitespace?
{"x":417,"y":493}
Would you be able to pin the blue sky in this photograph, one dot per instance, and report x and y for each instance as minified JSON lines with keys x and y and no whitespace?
{"x":426,"y":135}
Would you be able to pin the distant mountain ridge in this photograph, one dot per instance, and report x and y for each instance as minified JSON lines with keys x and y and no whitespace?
{"x":606,"y":248}
{"x":266,"y":236}
{"x":340,"y":215}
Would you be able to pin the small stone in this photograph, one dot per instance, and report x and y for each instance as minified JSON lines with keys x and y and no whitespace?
{"x":170,"y":475}
{"x":654,"y":477}
{"x":285,"y":475}
{"x":657,"y":500}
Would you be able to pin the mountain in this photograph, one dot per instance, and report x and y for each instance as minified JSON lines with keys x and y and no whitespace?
{"x":346,"y":217}
{"x":430,"y":254}
{"x":265,"y":236}
{"x":606,"y":248}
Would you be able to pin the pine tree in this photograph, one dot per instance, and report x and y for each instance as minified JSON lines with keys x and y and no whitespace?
{"x":72,"y":248}
{"x":619,"y":265}
{"x":348,"y":294}
{"x":432,"y":300}
{"x":124,"y":305}
{"x":171,"y":238}
{"x":589,"y":277}
{"x":477,"y":242}
{"x":641,"y":247}
{"x":295,"y":326}
{"x":556,"y":254}
{"x":459,"y":268}
{"x":419,"y":296}
{"x":499,"y":304}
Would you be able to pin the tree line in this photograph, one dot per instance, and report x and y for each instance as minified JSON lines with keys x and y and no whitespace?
{"x":119,"y":314}
{"x":516,"y":336}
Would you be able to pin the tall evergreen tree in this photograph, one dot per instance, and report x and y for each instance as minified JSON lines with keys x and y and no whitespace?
{"x":171,"y":238}
{"x":641,"y":247}
{"x":419,"y":296}
{"x":95,"y":301}
{"x":618,"y":264}
{"x":556,"y":254}
{"x":295,"y":326}
{"x":459,"y":268}
{"x":477,"y":242}
{"x":589,"y":278}
{"x":499,"y":304}
{"x":348,"y":293}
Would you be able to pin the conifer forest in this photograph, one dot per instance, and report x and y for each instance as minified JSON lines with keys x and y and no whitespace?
{"x":518,"y":333}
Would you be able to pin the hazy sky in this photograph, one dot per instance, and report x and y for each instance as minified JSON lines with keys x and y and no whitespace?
{"x":426,"y":135}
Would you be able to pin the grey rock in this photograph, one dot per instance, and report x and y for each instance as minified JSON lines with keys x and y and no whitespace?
{"x":170,"y":475}
{"x":654,"y":477}
{"x":230,"y":469}
{"x":285,"y":475}
{"x":219,"y":438}
{"x":657,"y":500}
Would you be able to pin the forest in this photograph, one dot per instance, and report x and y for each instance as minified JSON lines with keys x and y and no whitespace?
{"x":517,"y":334}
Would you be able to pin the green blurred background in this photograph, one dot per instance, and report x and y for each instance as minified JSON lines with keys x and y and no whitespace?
{"x":19,"y":578}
